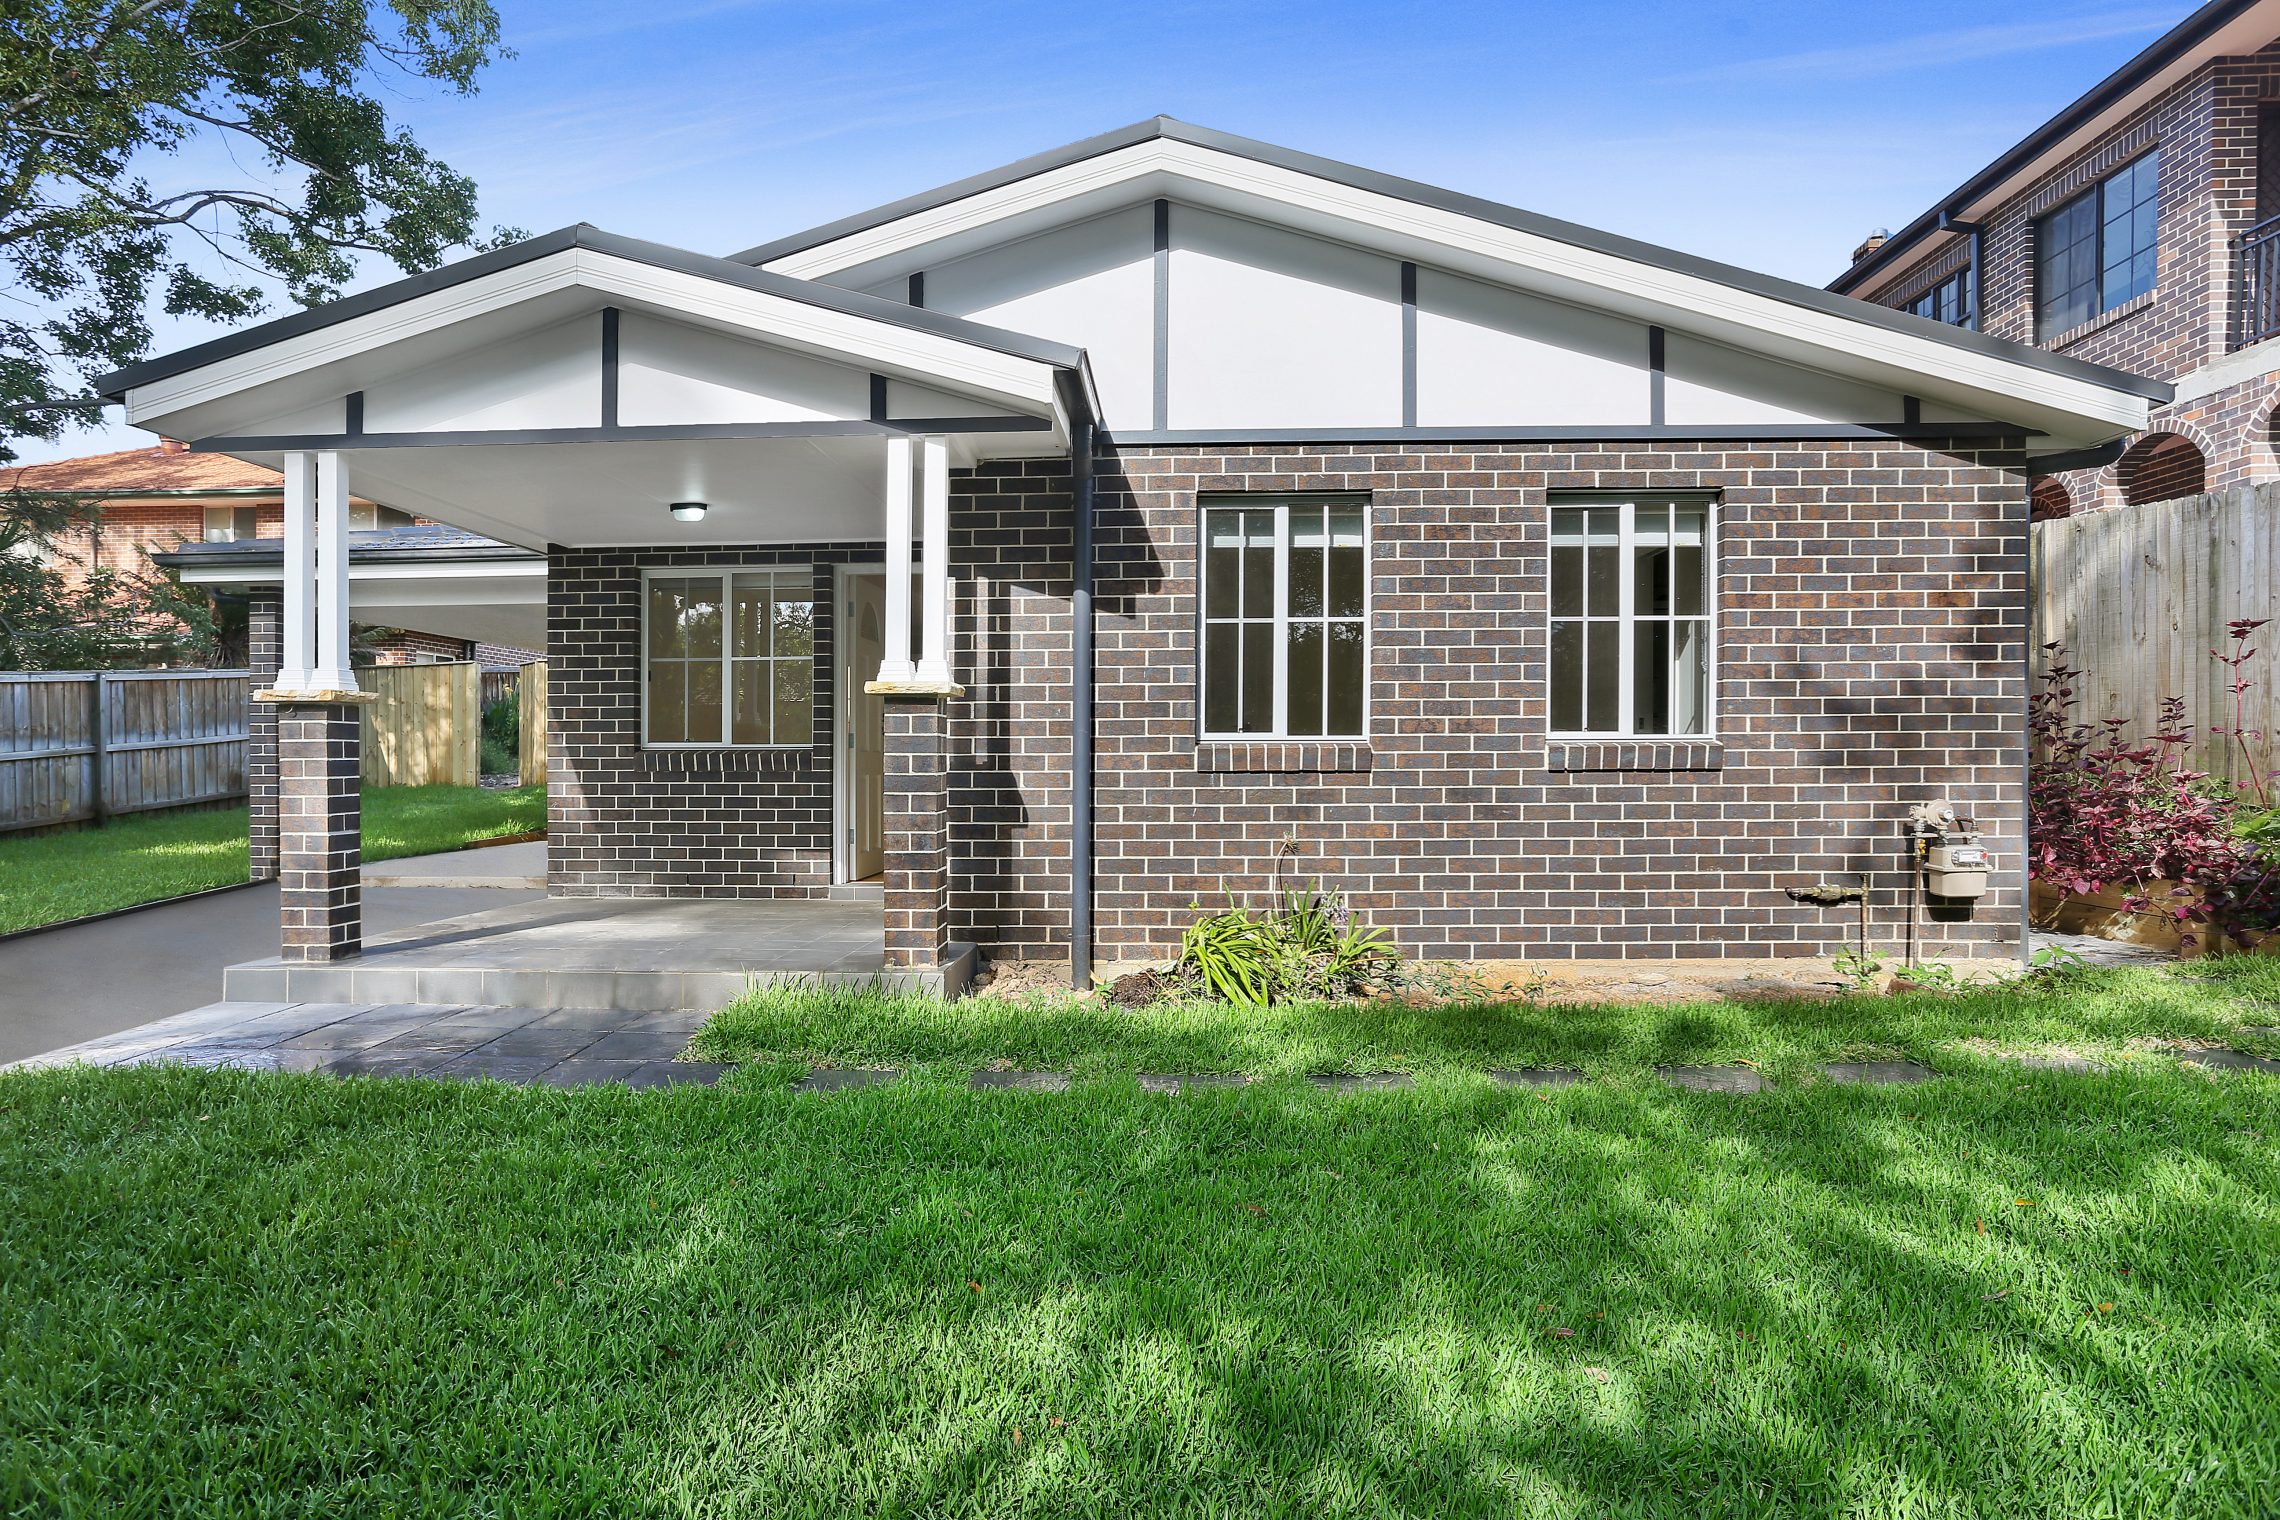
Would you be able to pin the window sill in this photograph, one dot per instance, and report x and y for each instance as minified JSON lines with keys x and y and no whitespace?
{"x":725,"y":761}
{"x":1634,"y":755}
{"x":2121,"y":313}
{"x":1273,"y":756}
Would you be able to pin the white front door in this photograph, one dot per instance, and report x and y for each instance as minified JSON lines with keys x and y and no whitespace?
{"x":863,"y":730}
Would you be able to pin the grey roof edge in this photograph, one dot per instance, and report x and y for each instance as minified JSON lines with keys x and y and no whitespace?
{"x":2149,"y":61}
{"x":115,"y":385}
{"x":1791,"y":292}
{"x":269,"y":553}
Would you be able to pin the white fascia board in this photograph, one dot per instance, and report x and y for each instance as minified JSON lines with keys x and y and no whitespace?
{"x":1003,"y":379}
{"x":1587,"y":276}
{"x":462,"y":570}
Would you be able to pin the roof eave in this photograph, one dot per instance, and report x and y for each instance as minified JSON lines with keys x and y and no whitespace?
{"x":116,"y":385}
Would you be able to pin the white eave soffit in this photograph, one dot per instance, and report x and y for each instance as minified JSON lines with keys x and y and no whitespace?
{"x":1202,"y":176}
{"x":347,"y":355}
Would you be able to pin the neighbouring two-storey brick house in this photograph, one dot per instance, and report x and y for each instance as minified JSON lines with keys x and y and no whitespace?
{"x":1068,"y":544}
{"x":2139,"y":227}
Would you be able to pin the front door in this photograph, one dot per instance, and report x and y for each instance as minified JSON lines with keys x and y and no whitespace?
{"x":863,"y":729}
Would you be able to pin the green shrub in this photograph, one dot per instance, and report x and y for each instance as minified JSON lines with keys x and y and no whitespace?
{"x":1305,"y":946}
{"x":502,"y":736}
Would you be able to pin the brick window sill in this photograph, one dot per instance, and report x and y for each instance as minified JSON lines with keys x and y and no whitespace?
{"x":728,"y":762}
{"x":1278,"y":756}
{"x":2104,"y":319}
{"x":1568,"y":755}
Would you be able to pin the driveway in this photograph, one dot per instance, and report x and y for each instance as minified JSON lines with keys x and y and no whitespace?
{"x":70,"y":985}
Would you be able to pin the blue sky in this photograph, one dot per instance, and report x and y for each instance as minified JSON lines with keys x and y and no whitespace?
{"x":1772,"y":135}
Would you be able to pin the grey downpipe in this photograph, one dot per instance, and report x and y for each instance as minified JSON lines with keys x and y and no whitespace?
{"x":1081,"y":717}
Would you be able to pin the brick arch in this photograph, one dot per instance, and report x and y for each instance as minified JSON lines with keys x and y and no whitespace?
{"x":2161,"y":466}
{"x":2050,"y":498}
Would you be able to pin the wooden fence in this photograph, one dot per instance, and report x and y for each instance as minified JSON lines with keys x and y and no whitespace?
{"x":79,"y":746}
{"x":532,"y":712}
{"x":2140,"y":595}
{"x":427,"y":727}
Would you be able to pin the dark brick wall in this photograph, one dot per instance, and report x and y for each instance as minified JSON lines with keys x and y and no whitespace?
{"x":625,"y":822}
{"x":265,"y":652}
{"x":1872,"y":628}
{"x":1871,"y":635}
{"x":320,"y":817}
{"x":917,"y":833}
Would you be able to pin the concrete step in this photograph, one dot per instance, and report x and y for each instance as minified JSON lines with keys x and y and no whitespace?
{"x":381,"y":978}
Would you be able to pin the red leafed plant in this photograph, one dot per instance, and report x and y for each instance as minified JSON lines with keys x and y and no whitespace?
{"x":2104,"y":810}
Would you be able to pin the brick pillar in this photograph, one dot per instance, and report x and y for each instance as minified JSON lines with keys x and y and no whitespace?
{"x":264,"y":653}
{"x":917,"y":834}
{"x":321,"y":854}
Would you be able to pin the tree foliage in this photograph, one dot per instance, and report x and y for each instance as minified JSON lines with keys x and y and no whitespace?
{"x":195,"y":155}
{"x":99,"y":97}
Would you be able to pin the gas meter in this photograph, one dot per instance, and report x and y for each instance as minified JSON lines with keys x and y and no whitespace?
{"x":1955,"y":863}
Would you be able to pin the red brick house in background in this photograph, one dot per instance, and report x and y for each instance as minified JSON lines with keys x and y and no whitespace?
{"x":151,"y":502}
{"x":2139,"y":227}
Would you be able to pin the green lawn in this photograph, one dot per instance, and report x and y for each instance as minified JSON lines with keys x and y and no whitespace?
{"x":144,"y":856}
{"x":2003,"y":1293}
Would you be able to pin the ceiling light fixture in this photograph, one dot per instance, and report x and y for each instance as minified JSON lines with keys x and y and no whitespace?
{"x":688,"y":511}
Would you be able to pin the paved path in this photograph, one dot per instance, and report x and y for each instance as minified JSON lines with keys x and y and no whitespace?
{"x":559,"y":1047}
{"x":499,"y":865}
{"x":70,"y":985}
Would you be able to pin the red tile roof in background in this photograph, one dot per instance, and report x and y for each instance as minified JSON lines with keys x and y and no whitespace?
{"x":161,"y":467}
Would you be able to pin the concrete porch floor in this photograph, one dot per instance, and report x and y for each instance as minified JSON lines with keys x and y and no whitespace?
{"x":642,"y":954}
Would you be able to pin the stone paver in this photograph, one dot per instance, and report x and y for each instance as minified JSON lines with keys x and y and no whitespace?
{"x":1877,"y":1073}
{"x":1172,"y":1082}
{"x":1360,"y":1081}
{"x":2231,"y":1060}
{"x":843,"y":1078}
{"x":556,"y":1047}
{"x":1720,"y":1079}
{"x":1538,"y":1076}
{"x":1020,"y":1081}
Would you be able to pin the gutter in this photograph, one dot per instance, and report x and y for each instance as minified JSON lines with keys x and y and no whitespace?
{"x":2157,"y":55}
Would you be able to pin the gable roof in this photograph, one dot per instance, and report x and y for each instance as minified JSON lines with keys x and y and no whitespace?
{"x":814,"y":243}
{"x":117,"y":384}
{"x":2221,"y":28}
{"x":157,"y":471}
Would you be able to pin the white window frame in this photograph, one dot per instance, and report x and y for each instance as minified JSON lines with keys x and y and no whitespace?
{"x":230,"y":527}
{"x":1280,"y":504}
{"x":1626,"y":618}
{"x":725,"y":575}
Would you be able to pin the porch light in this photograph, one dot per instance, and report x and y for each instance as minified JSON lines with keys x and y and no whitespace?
{"x":688,"y":511}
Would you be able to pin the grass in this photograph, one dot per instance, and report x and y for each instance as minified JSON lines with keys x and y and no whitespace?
{"x":2117,"y":1015}
{"x":143,"y":857}
{"x":2004,"y":1293}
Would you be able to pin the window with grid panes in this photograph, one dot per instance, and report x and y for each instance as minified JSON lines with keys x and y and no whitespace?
{"x":1631,"y":616}
{"x":1285,"y":619}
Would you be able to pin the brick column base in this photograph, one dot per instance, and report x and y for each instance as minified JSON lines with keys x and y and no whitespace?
{"x":264,"y":654}
{"x":320,"y":816}
{"x":917,"y":834}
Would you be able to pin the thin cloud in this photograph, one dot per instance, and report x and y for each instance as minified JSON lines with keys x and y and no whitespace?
{"x":1939,"y":50}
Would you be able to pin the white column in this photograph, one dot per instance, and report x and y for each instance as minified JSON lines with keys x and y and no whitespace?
{"x":934,"y":524}
{"x":895,"y":666}
{"x":333,"y":672}
{"x":300,"y":574}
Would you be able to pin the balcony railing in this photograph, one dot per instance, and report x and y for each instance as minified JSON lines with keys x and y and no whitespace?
{"x":2256,"y":278}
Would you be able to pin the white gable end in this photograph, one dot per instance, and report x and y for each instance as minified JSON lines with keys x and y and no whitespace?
{"x":1276,"y":303}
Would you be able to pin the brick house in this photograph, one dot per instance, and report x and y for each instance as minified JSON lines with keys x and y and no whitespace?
{"x":183,"y":510}
{"x":2140,"y":228}
{"x":1151,"y":517}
